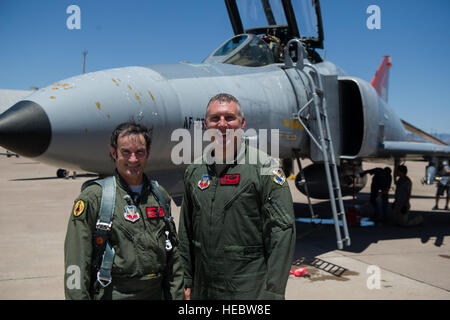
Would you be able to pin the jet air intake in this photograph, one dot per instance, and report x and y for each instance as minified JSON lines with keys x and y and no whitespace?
{"x":25,"y":129}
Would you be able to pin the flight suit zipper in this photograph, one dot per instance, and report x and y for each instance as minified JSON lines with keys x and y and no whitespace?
{"x":237,"y":194}
{"x":126,"y":232}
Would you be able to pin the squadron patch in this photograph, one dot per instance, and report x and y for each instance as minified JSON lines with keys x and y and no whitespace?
{"x":131,"y":214}
{"x":78,"y":209}
{"x":204,"y":182}
{"x":278,"y":177}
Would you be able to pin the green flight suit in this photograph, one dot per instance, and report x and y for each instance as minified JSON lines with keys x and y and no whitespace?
{"x":142,"y":269}
{"x":237,"y":229}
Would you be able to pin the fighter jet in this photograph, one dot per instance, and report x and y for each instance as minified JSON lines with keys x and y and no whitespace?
{"x":272,"y":66}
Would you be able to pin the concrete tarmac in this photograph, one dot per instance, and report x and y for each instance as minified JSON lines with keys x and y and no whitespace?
{"x":383,"y":262}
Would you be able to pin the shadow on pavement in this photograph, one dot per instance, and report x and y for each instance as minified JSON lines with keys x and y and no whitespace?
{"x":316,"y":237}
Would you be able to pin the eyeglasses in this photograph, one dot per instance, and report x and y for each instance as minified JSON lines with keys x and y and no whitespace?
{"x":138,"y":154}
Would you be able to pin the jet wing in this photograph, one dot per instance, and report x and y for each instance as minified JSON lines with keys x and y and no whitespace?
{"x":422,"y":133}
{"x":414,"y":150}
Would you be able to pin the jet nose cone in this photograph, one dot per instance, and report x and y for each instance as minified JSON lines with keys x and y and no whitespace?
{"x":25,"y":129}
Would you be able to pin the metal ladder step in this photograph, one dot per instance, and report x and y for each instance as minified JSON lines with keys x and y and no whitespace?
{"x":317,"y":105}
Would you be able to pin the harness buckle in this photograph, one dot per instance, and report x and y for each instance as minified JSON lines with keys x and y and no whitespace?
{"x":104,"y":281}
{"x":103,"y":226}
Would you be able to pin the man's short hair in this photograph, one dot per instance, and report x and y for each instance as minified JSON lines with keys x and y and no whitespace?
{"x":225,"y":97}
{"x":131,"y":128}
{"x":402,"y":168}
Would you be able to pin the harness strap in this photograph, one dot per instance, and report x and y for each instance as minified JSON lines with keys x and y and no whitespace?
{"x":102,"y":233}
{"x":104,"y":223}
{"x":167,"y":216}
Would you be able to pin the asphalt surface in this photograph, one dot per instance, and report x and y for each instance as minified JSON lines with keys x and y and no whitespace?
{"x":383,"y":262}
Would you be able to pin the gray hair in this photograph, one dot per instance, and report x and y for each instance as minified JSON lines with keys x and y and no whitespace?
{"x":225,"y":97}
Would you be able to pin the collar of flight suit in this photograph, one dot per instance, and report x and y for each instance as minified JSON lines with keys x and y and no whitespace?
{"x":219,"y":169}
{"x":122,"y":183}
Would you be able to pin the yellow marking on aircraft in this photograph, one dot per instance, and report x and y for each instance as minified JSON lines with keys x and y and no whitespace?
{"x":294,"y":124}
{"x":151,"y":96}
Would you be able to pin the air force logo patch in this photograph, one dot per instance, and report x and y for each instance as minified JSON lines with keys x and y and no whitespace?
{"x":204,"y":182}
{"x":278,"y":177}
{"x":131,"y":214}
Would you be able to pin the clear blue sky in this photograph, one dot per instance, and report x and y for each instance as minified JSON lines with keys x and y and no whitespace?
{"x":38,"y":49}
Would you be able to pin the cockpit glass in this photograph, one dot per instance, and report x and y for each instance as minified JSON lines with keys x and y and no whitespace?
{"x":306,"y":17}
{"x":255,"y":53}
{"x":278,"y":11}
{"x":261,"y":13}
{"x":230,"y":45}
{"x":252,"y":13}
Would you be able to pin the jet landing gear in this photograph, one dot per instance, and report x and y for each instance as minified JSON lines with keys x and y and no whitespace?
{"x":61,"y":173}
{"x":300,"y":183}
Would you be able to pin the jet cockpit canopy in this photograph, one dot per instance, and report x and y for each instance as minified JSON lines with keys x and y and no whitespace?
{"x":263,"y":28}
{"x":246,"y":50}
{"x":284,"y":19}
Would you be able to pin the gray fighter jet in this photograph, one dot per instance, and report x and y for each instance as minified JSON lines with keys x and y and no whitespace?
{"x":271,"y":65}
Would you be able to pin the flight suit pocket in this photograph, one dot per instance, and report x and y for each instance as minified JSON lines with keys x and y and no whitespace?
{"x":244,"y":200}
{"x":199,"y":272}
{"x":149,"y":252}
{"x":196,"y":202}
{"x":277,"y":214}
{"x":245,"y":272}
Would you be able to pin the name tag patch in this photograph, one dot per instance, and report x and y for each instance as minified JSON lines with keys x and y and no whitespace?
{"x":155,"y":212}
{"x":230,"y":179}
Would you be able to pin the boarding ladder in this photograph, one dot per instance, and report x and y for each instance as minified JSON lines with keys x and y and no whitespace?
{"x":322,"y":139}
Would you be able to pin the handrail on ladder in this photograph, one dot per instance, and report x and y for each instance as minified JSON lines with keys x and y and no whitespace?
{"x":321,"y":101}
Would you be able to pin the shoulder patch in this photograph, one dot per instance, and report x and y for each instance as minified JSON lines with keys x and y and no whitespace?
{"x":278,"y":177}
{"x":78,"y":208}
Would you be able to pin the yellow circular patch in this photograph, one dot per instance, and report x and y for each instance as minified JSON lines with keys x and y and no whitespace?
{"x":78,"y":208}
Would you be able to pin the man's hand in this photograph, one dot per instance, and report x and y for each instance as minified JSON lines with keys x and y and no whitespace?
{"x":187,"y":293}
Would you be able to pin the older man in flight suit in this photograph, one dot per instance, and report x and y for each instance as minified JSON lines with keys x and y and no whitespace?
{"x":237,"y":227}
{"x":134,"y":253}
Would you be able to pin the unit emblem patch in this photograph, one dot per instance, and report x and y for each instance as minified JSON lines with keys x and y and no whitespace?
{"x":78,"y":209}
{"x":131,"y":213}
{"x":278,"y":177}
{"x":204,"y":182}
